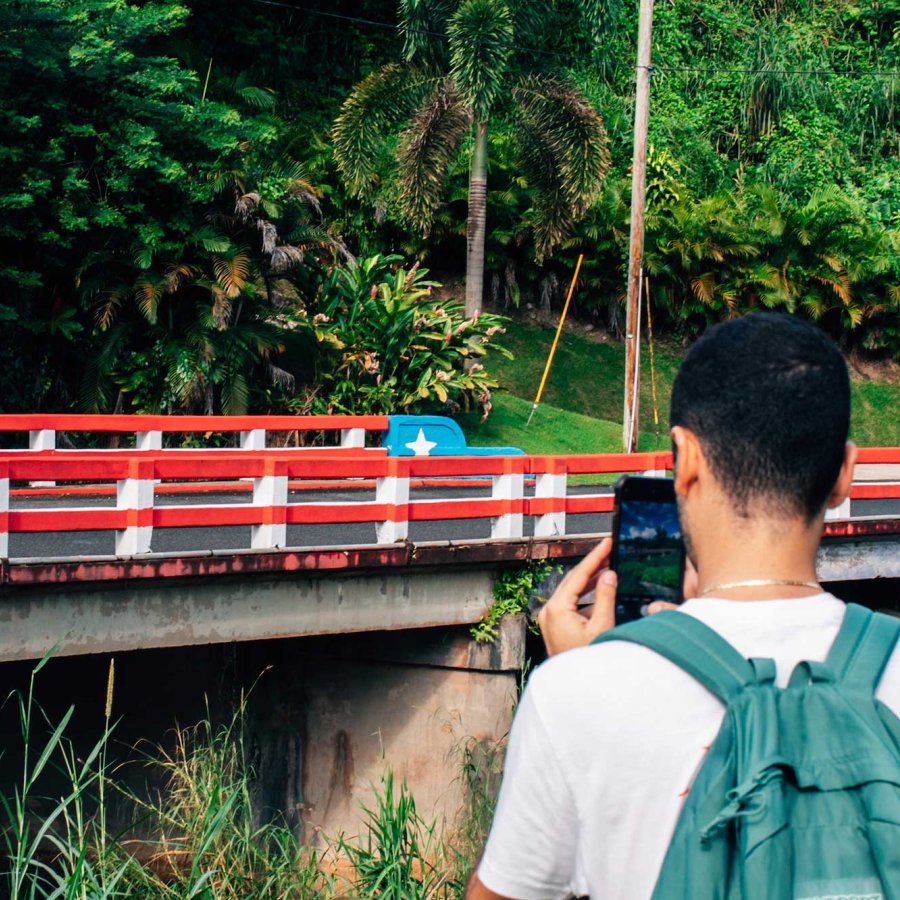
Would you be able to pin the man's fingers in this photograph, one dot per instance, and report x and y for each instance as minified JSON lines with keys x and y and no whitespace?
{"x":578,"y":581}
{"x":658,"y":606}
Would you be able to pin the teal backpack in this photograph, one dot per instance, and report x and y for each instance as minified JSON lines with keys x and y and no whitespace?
{"x":799,"y":796}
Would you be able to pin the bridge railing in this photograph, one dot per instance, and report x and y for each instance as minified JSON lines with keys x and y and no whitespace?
{"x":288,"y":487}
{"x":139,"y":478}
{"x":146,"y":432}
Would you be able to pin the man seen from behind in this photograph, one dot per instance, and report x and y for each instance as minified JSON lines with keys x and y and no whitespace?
{"x":608,"y":738}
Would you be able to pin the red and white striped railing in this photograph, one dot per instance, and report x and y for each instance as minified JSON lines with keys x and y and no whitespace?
{"x":538,"y":487}
{"x":146,"y":432}
{"x":139,"y":476}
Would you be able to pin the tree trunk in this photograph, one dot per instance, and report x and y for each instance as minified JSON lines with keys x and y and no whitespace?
{"x":475,"y":228}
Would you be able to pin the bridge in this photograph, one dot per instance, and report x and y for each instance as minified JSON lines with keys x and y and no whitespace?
{"x":299,"y":543}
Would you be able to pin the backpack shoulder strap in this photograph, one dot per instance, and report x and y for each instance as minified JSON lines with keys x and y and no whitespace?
{"x":863,"y":647}
{"x":692,"y":646}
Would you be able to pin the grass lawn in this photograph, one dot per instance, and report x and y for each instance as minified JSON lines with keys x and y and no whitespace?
{"x":581,"y":408}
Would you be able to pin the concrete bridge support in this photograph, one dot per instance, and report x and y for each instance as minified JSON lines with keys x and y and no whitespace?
{"x":328,"y":727}
{"x":349,"y":676}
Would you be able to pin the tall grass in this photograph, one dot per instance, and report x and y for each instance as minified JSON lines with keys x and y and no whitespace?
{"x":56,"y":853}
{"x":399,"y":856}
{"x":204,"y":842}
{"x":481,"y":769}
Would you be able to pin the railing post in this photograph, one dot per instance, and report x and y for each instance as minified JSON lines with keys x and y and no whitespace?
{"x":148,"y":440}
{"x":4,"y":511}
{"x":841,"y":512}
{"x":393,"y":490}
{"x":551,"y":485}
{"x":255,"y":439}
{"x":135,"y":494}
{"x":510,"y":486}
{"x":44,"y":439}
{"x":659,"y":469}
{"x":270,"y":493}
{"x":353,"y":437}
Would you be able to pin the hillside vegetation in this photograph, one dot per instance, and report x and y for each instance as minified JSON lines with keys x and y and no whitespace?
{"x":581,"y":410}
{"x":176,"y":224}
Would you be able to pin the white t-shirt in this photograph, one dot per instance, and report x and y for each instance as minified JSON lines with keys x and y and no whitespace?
{"x":607,"y":740}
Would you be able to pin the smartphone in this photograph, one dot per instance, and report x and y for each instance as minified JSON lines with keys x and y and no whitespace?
{"x":648,"y":551}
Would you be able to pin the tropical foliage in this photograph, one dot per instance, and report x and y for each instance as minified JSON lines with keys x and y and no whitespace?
{"x":462,"y":70}
{"x":390,"y":345}
{"x":176,"y":209}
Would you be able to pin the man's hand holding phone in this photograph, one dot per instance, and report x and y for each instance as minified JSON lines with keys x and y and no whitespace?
{"x":562,"y":626}
{"x":565,"y":625}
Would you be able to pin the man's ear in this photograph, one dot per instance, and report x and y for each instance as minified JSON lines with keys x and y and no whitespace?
{"x":841,"y":488}
{"x":688,"y":458}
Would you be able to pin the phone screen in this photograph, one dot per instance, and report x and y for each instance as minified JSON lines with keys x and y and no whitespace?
{"x":648,"y":552}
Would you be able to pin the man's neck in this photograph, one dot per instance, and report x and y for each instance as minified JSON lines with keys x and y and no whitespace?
{"x":757,"y":548}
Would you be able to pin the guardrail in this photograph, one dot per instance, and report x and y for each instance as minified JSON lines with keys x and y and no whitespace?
{"x":536,"y":487}
{"x":138,"y":476}
{"x":148,"y":431}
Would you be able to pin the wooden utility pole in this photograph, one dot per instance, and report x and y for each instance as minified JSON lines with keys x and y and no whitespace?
{"x":636,"y":244}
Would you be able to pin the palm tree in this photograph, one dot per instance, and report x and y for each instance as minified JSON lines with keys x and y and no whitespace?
{"x":466,"y":62}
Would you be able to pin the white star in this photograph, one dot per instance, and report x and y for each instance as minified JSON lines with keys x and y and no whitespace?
{"x":421,"y":446}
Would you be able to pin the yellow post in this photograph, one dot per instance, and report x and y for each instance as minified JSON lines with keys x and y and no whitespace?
{"x":559,"y":327}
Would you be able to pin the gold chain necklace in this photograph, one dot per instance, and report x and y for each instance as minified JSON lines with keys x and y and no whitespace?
{"x":760,"y":582}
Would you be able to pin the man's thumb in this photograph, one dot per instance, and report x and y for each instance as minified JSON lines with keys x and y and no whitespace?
{"x":605,"y":598}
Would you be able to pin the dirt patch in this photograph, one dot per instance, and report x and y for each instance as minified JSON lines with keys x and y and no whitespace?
{"x":874,"y":369}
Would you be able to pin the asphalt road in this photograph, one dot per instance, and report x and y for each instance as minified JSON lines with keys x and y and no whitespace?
{"x":182,"y":540}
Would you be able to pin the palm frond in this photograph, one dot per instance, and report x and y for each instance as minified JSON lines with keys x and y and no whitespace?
{"x":260,"y":98}
{"x":284,"y":257}
{"x":94,"y":394}
{"x":245,"y":204}
{"x":564,"y":151}
{"x":221,"y":308}
{"x":106,"y":310}
{"x":480,"y":34}
{"x":235,"y":394}
{"x":268,"y":235}
{"x":427,"y":147}
{"x":378,"y":103}
{"x":143,"y":256}
{"x":281,"y":377}
{"x":423,"y":24}
{"x":601,"y":17}
{"x":176,"y":275}
{"x":231,"y":272}
{"x":147,"y":293}
{"x":704,"y":286}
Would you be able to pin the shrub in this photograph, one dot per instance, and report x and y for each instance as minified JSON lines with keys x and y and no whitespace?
{"x":388,"y":345}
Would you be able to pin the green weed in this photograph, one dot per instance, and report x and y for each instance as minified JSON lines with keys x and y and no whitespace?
{"x":514,"y":591}
{"x":204,"y":842}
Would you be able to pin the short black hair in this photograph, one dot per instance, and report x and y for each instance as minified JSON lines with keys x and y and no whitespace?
{"x":768,"y":397}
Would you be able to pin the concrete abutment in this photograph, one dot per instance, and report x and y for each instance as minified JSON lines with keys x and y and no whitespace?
{"x":327,"y":714}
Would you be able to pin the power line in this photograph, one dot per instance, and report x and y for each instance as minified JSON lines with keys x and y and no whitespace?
{"x":887,"y":73}
{"x":698,"y":70}
{"x":330,"y":15}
